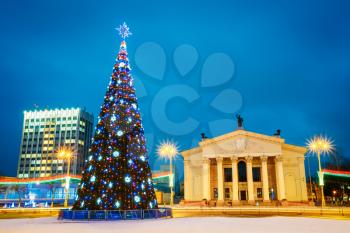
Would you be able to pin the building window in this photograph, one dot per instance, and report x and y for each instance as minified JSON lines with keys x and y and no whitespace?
{"x":227,"y":193}
{"x":256,"y":174}
{"x":259,"y":192}
{"x":242,"y":172}
{"x":228,"y":174}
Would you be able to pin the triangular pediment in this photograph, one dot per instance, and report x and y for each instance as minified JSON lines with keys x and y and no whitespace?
{"x":240,"y":143}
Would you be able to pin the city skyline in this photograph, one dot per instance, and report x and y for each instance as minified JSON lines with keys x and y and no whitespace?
{"x":290,"y":73}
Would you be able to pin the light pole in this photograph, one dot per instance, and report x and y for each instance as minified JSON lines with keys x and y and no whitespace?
{"x":169,"y":151}
{"x":66,"y":153}
{"x":320,"y":145}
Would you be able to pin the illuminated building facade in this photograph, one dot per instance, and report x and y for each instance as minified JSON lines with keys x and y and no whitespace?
{"x":44,"y":131}
{"x":243,"y":167}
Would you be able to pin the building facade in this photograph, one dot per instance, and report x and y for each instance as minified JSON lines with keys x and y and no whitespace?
{"x":44,"y":131}
{"x":244,"y":167}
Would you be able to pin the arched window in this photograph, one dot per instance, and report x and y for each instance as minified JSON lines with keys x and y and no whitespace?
{"x":242,"y":172}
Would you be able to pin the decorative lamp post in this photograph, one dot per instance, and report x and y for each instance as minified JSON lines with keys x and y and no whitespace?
{"x":66,"y":153}
{"x":320,"y":145}
{"x":169,"y":151}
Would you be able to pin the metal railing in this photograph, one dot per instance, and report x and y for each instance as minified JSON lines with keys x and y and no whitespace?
{"x":114,"y":214}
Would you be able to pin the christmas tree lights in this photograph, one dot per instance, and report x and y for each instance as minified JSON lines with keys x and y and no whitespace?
{"x":117,"y":174}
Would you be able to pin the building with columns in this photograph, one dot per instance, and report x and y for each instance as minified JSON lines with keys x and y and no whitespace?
{"x":244,"y":167}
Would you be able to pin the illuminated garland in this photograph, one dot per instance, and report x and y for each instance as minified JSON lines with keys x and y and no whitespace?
{"x":117,"y":174}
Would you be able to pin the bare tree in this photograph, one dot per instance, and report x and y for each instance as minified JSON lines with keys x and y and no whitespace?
{"x":4,"y":190}
{"x":20,"y":190}
{"x":52,"y":191}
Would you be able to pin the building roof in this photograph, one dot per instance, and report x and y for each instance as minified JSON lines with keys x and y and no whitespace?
{"x":345,"y":174}
{"x":40,"y":180}
{"x":242,"y":132}
{"x":59,"y":178}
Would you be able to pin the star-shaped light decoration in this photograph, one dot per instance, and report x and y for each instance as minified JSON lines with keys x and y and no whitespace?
{"x":124,"y":31}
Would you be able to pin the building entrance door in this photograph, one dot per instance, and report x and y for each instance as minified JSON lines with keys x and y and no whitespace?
{"x":243,"y":195}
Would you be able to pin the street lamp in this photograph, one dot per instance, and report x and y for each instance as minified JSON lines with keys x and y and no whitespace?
{"x":169,"y":150}
{"x":65,"y":153}
{"x":319,"y":145}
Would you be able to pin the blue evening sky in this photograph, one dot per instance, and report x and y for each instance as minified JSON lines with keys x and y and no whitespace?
{"x":291,"y":64}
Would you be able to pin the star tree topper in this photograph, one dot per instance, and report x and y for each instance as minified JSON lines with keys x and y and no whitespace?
{"x":124,"y":31}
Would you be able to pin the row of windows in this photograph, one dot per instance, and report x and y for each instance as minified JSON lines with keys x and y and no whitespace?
{"x":56,"y":141}
{"x":62,"y":132}
{"x":39,"y":164}
{"x":51,"y":149}
{"x":243,"y":193}
{"x":242,"y":174}
{"x":52,"y":119}
{"x":38,"y":173}
{"x":37,"y":127}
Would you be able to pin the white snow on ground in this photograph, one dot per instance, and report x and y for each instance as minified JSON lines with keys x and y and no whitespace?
{"x":179,"y":225}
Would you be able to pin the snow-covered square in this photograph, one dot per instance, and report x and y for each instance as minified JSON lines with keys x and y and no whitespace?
{"x":179,"y":225}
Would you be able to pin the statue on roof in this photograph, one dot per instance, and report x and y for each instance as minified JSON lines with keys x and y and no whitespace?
{"x":239,"y":121}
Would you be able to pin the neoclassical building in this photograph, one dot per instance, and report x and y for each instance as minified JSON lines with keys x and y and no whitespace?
{"x":243,"y":167}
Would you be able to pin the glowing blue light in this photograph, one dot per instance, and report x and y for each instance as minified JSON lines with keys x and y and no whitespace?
{"x":149,"y":181}
{"x":110,"y":185}
{"x":116,"y":153}
{"x":137,"y":199}
{"x":117,"y":204}
{"x":120,"y":133}
{"x":143,"y":158}
{"x":111,"y":98}
{"x":127,"y":179}
{"x":129,"y":119}
{"x":119,"y":81}
{"x":90,"y":167}
{"x":90,"y":157}
{"x":142,"y":186}
{"x":99,"y":158}
{"x":134,"y":106}
{"x":130,"y":161}
{"x":82,"y":185}
{"x":93,"y":178}
{"x":98,"y":201}
{"x":82,"y":204}
{"x":113,"y":118}
{"x":151,"y":205}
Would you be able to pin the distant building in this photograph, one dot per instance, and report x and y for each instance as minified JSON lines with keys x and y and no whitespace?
{"x":44,"y":131}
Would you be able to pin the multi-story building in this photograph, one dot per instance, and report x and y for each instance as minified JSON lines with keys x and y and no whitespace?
{"x":44,"y":132}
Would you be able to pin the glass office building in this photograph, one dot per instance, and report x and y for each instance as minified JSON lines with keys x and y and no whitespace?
{"x":44,"y":132}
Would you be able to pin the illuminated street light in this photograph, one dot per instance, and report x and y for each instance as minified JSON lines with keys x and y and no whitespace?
{"x":319,"y":145}
{"x":169,"y":150}
{"x":66,"y":153}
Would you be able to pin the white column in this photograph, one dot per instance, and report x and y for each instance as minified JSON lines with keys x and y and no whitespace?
{"x":265,"y":179}
{"x":234,"y":180}
{"x":250,"y":179}
{"x":206,"y":178}
{"x":187,"y":181}
{"x":303,"y":191}
{"x":281,"y":194}
{"x":220,"y":181}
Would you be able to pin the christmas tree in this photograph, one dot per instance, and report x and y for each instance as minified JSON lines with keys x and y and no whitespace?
{"x":117,"y":175}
